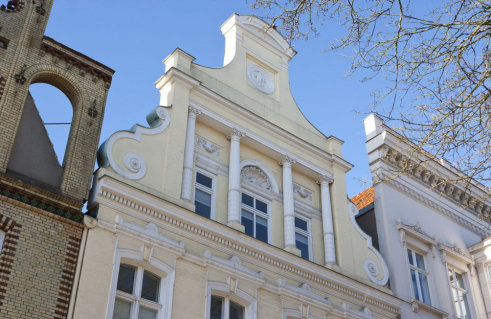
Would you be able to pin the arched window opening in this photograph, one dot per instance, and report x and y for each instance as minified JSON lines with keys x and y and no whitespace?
{"x":38,"y":152}
{"x":56,"y":112}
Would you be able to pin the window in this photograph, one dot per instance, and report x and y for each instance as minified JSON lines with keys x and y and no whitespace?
{"x":419,"y":276}
{"x":255,"y":217}
{"x":224,"y":308}
{"x":459,"y":294}
{"x":302,"y":237}
{"x":137,"y":294}
{"x":203,"y":195}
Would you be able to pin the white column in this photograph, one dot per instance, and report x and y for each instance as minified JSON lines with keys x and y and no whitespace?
{"x":187,"y":175}
{"x":288,"y":207}
{"x":234,"y":180}
{"x":327,"y":223}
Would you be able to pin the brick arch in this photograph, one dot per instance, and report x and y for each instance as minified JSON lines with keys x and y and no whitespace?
{"x":73,"y":86}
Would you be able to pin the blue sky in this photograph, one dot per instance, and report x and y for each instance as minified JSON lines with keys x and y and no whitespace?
{"x":133,"y":37}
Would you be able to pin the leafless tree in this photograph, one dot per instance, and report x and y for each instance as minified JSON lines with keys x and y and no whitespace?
{"x":435,"y":55}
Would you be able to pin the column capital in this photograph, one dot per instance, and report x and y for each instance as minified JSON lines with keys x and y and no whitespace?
{"x":235,"y":135}
{"x":325,"y":179}
{"x":287,"y":161}
{"x":193,"y":112}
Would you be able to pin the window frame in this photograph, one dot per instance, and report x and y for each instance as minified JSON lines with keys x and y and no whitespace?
{"x":255,"y":211}
{"x":466,"y":291}
{"x":205,"y":189}
{"x":307,"y":233}
{"x":156,"y":267}
{"x":238,"y":296}
{"x":426,"y":272}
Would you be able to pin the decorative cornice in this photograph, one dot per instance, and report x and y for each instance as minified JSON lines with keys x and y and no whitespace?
{"x":455,"y":251}
{"x":415,"y":230}
{"x":324,"y":281}
{"x":12,"y":6}
{"x":434,"y":181}
{"x":459,"y":220}
{"x":363,"y":313}
{"x":304,"y":293}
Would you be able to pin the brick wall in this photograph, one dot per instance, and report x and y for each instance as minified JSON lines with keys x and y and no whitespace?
{"x":37,"y":263}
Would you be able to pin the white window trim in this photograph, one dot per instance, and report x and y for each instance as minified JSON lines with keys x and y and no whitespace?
{"x":239,"y":296}
{"x":2,"y":238}
{"x":424,"y":272}
{"x":456,"y":267}
{"x":212,"y":191}
{"x":294,"y":313}
{"x":257,"y":212}
{"x":155,"y":266}
{"x":307,"y":233}
{"x":466,"y":290}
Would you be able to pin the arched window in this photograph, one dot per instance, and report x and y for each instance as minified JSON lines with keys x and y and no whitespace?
{"x":224,"y":304}
{"x":141,"y":290}
{"x":56,"y":113}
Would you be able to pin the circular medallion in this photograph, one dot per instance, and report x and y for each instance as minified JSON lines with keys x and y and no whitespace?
{"x":260,"y":78}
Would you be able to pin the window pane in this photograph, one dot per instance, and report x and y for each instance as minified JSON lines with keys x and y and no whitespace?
{"x":216,"y":307}
{"x":261,"y":206}
{"x":466,"y":314}
{"x":459,"y":280}
{"x":122,"y":309}
{"x":420,"y":261}
{"x":410,"y":256}
{"x":236,"y":311}
{"x":457,"y":303}
{"x":248,"y":222}
{"x":300,"y":223}
{"x":425,"y":290}
{"x":302,"y":243}
{"x":203,"y":203}
{"x":146,"y":313}
{"x":126,"y":278}
{"x":415,"y":285}
{"x":204,"y":180}
{"x":450,"y":275}
{"x":150,"y":286}
{"x":248,"y":200}
{"x":261,"y":229}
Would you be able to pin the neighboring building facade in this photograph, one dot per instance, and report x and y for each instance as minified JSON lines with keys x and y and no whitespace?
{"x":430,"y":231}
{"x":230,"y":204}
{"x":41,"y":223}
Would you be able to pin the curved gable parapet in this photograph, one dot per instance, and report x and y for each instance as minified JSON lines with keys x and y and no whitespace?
{"x":135,"y":167}
{"x":371,"y":267}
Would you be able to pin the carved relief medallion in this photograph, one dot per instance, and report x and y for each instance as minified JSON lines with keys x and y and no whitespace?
{"x":260,"y":78}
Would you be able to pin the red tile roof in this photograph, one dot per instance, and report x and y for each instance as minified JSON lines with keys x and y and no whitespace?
{"x":364,"y":198}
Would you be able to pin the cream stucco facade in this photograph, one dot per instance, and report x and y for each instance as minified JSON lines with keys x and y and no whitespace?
{"x":239,"y":128}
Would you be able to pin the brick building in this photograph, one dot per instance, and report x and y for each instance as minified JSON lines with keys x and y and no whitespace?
{"x":41,"y":224}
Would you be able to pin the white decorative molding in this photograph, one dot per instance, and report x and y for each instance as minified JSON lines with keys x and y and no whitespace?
{"x":416,"y":232}
{"x":416,"y":304}
{"x":150,"y":230}
{"x":158,"y":121}
{"x":435,"y":182}
{"x":207,"y":146}
{"x":259,"y":175}
{"x":363,"y":313}
{"x":455,"y":252}
{"x":307,"y":210}
{"x":211,"y":165}
{"x":157,"y":211}
{"x":302,"y":192}
{"x":456,"y":218}
{"x":371,"y":268}
{"x":260,"y":78}
{"x":234,"y":263}
{"x":254,"y":175}
{"x":304,"y":294}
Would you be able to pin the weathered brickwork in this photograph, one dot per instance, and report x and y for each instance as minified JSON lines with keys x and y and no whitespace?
{"x":43,"y":222}
{"x":37,"y":263}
